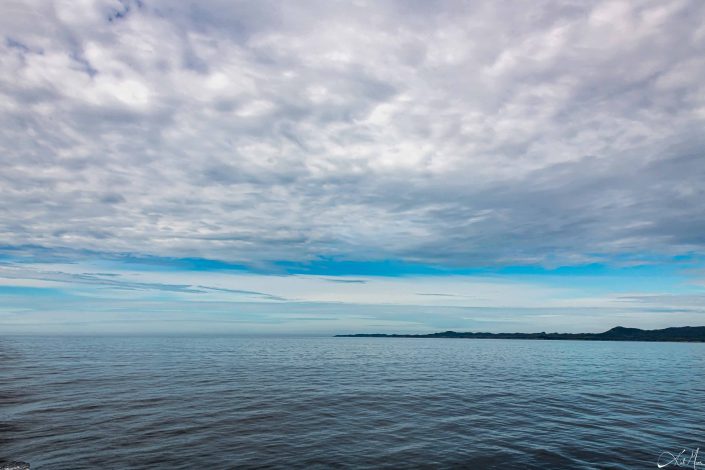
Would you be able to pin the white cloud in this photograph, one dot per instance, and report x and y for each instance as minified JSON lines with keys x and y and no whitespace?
{"x":96,"y":296}
{"x":449,"y":133}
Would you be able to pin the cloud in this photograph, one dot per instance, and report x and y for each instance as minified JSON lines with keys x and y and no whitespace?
{"x":346,"y":281}
{"x":100,"y":296}
{"x":113,"y":281}
{"x":245,"y":292}
{"x":444,"y":133}
{"x":20,"y":272}
{"x":435,"y":294}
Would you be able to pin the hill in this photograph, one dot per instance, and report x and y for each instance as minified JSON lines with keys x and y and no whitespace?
{"x":619,"y":333}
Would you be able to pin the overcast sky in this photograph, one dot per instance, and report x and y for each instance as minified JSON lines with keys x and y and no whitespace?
{"x":316,"y":167}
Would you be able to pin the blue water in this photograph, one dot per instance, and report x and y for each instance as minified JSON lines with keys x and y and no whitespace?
{"x":198,"y":402}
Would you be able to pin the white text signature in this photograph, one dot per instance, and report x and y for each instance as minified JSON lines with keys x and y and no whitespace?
{"x":686,"y":458}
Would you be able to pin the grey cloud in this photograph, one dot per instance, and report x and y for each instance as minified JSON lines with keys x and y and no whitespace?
{"x":245,"y":292}
{"x":435,"y":294}
{"x":165,"y":316}
{"x":115,"y":281}
{"x":9,"y":271}
{"x":434,"y":132}
{"x":691,"y":301}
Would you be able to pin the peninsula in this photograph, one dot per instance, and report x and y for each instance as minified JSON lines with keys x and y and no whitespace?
{"x":678,"y":334}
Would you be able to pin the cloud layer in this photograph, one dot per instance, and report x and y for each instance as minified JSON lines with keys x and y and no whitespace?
{"x":99,"y":297}
{"x":449,"y":133}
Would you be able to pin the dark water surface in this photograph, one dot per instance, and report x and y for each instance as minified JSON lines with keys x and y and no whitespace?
{"x":226,"y":402}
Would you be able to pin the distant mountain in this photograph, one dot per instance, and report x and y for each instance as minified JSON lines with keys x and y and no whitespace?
{"x":619,"y":333}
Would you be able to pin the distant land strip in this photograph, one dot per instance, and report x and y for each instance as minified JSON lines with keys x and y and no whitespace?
{"x":685,"y":334}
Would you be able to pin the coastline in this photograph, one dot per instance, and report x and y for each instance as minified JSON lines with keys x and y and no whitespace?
{"x":685,"y":334}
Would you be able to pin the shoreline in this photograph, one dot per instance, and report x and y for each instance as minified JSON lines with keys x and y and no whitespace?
{"x":686,"y":334}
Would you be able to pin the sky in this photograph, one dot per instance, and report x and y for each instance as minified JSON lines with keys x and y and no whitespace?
{"x":321,"y":167}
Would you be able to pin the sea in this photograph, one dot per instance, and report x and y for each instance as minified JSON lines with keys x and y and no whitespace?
{"x":208,"y":402}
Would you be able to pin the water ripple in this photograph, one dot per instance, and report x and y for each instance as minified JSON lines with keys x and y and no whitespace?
{"x":73,"y":403}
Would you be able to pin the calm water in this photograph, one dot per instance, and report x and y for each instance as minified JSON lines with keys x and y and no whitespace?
{"x":180,"y":402}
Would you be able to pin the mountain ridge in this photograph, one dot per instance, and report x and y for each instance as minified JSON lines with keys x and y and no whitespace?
{"x":682,"y":334}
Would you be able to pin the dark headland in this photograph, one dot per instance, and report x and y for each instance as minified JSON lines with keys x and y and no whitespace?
{"x":680,"y":334}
